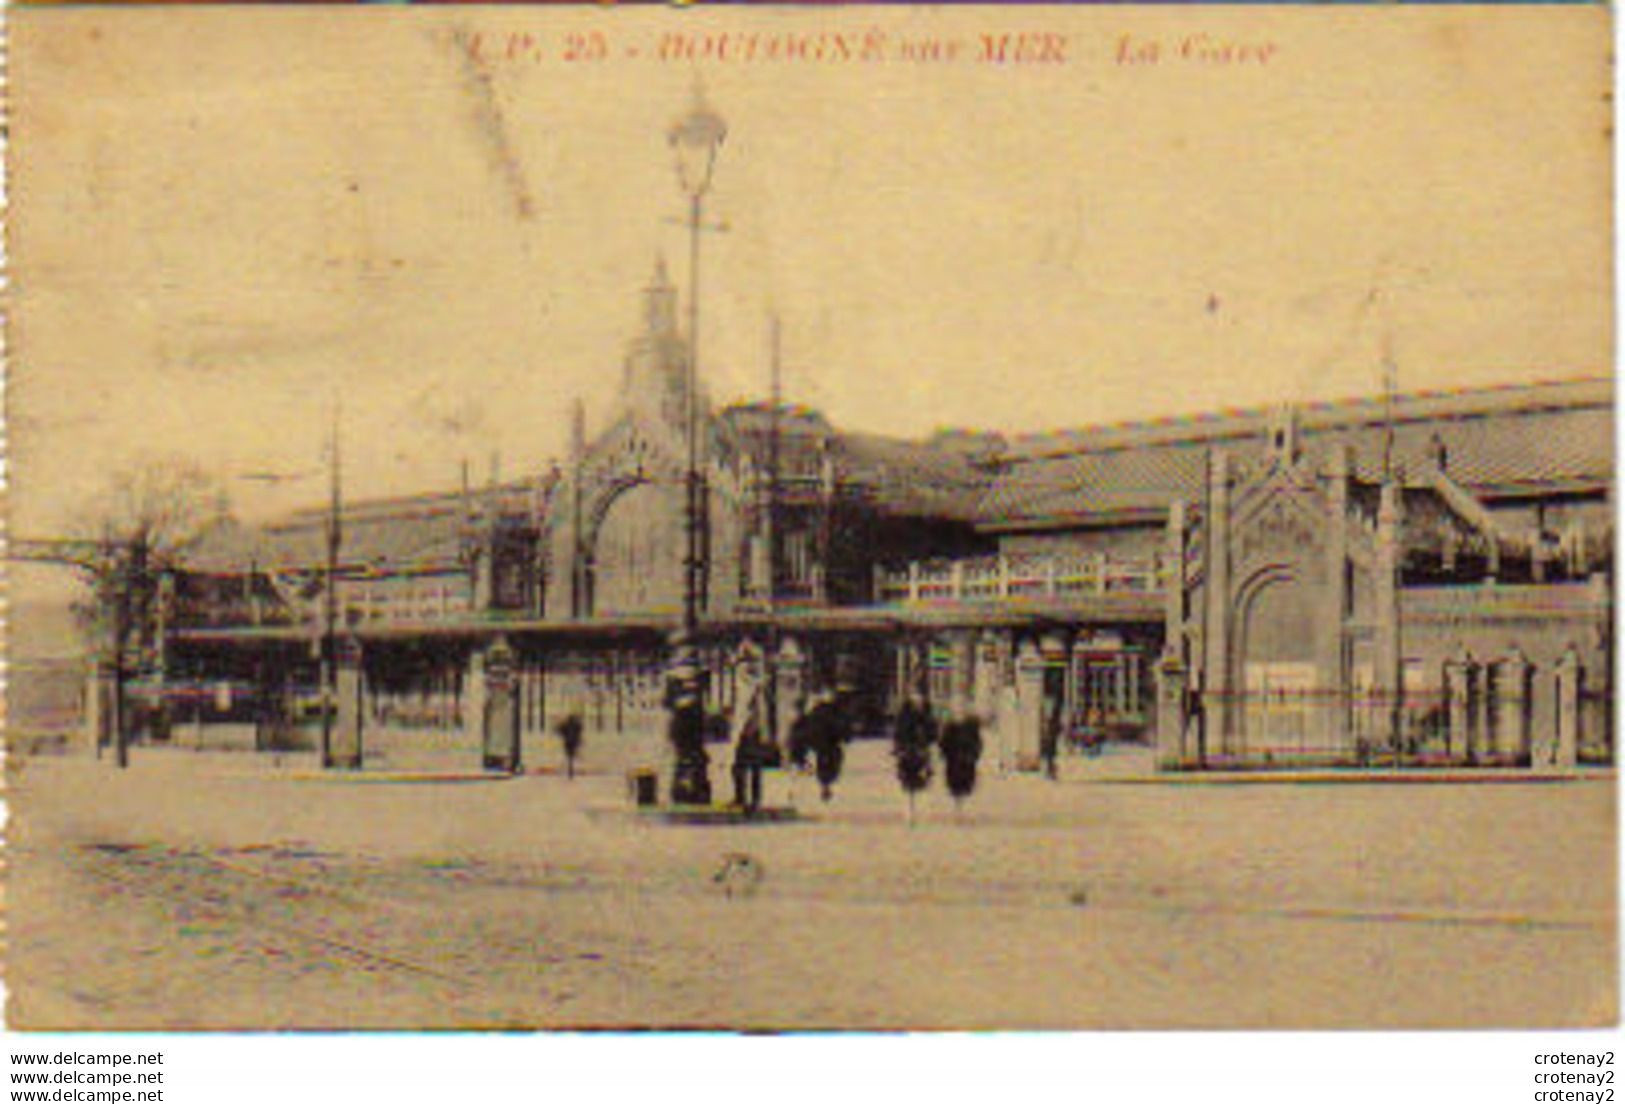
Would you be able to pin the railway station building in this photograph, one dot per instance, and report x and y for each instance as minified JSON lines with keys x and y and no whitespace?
{"x":1421,"y":579}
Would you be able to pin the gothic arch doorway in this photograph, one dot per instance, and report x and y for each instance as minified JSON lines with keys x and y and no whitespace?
{"x":1281,"y":697}
{"x":635,"y":550}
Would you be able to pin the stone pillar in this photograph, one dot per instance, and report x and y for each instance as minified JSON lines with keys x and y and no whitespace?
{"x":500,"y":717}
{"x":1459,"y":678}
{"x":1171,"y":751}
{"x":987,"y":679}
{"x":962,"y":647}
{"x":471,"y":713}
{"x":345,"y":749}
{"x":1570,"y":681}
{"x":1512,"y":702}
{"x":1484,"y":712}
{"x":1173,"y":572}
{"x":1390,"y":680}
{"x":99,"y":719}
{"x":482,"y":595}
{"x":1029,"y":719}
{"x":1007,"y":711}
{"x":790,"y":674}
{"x":1334,"y":601}
{"x":1216,"y":691}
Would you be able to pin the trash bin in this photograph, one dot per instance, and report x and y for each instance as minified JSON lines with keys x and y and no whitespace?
{"x":643,"y":786}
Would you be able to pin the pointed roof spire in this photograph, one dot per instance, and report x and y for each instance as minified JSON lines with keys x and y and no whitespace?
{"x":661,"y":278}
{"x":660,"y":301}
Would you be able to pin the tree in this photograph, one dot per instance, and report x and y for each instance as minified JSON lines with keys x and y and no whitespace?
{"x":912,"y":737}
{"x":961,"y":750}
{"x":147,"y":518}
{"x":163,"y":504}
{"x":145,"y":521}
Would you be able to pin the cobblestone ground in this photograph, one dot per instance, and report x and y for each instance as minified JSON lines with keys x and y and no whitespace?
{"x":218,"y":890}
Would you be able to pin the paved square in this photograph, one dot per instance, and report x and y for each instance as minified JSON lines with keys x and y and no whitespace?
{"x":215,"y":891}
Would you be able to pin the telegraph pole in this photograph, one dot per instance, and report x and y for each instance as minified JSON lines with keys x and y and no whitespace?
{"x":330,"y":596}
{"x":770,"y":665}
{"x":1390,"y":385}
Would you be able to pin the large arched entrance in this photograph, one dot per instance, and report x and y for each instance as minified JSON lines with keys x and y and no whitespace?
{"x":1282,"y":699}
{"x":635,"y":563}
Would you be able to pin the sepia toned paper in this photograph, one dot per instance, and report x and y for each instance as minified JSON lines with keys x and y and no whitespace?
{"x":301,"y":264}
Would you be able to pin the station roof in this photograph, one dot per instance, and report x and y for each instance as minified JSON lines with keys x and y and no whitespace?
{"x":412,"y":533}
{"x":1536,"y":439}
{"x":1497,"y":443}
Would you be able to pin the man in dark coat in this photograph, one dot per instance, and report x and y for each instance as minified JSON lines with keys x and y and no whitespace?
{"x":913,"y":735}
{"x":801,"y":738}
{"x":1049,"y":745}
{"x":569,"y":730}
{"x":827,"y":735}
{"x":961,"y":747}
{"x":750,"y":756}
{"x":685,"y":697}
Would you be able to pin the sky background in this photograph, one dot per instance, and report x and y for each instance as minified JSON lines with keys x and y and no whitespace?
{"x":224,"y":218}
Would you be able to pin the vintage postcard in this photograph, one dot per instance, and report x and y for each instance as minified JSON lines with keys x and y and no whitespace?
{"x":850,"y":517}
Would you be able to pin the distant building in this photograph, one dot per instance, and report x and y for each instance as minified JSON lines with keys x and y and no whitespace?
{"x":1325,"y":584}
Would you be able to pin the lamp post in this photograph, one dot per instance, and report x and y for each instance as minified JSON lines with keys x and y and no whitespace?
{"x":695,"y":140}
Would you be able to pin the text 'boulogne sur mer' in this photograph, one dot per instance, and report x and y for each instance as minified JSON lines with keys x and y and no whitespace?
{"x":1032,"y":49}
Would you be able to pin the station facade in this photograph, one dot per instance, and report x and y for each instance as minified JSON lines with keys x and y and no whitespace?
{"x":1426,"y":579}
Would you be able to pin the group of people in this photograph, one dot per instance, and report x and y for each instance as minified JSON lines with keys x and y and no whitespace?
{"x":958,"y":740}
{"x":819,"y":735}
{"x":823,"y":725}
{"x":817,"y":738}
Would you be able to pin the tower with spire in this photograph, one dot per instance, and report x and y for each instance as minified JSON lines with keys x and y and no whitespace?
{"x":655,"y":371}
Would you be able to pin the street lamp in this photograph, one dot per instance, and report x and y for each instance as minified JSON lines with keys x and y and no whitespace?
{"x":695,"y":140}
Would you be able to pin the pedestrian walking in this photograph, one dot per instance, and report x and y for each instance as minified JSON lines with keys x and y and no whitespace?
{"x":913,"y":736}
{"x":1049,"y":741}
{"x":961,"y":746}
{"x":750,"y":756}
{"x":828,"y":735}
{"x":569,"y":730}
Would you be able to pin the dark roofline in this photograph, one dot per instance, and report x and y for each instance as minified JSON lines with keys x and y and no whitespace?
{"x":1197,"y":430}
{"x":1347,"y":413}
{"x":399,"y":507}
{"x":1073,"y":520}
